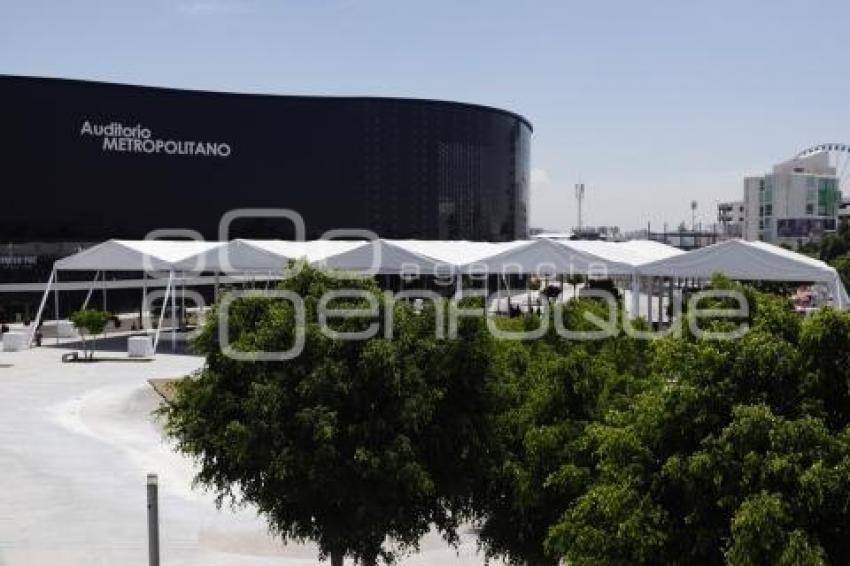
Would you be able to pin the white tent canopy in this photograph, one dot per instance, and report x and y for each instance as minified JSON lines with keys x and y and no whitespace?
{"x":540,"y":255}
{"x":749,"y":261}
{"x":264,"y":256}
{"x":383,"y":257}
{"x":742,"y":260}
{"x":135,"y":255}
{"x":457,"y":254}
{"x":128,"y":255}
{"x":372,"y":256}
{"x":643,"y":251}
{"x":620,"y":258}
{"x":635,"y":259}
{"x":549,"y":257}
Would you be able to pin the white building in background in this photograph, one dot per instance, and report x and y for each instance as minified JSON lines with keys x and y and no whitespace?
{"x":798,"y":202}
{"x":731,"y":216}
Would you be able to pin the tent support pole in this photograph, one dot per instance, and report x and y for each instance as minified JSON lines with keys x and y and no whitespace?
{"x":56,"y":307}
{"x":42,"y":305}
{"x":91,"y":291}
{"x":650,"y":290}
{"x":162,"y":312}
{"x":660,"y":301}
{"x":635,"y":296}
{"x":458,"y":286}
{"x":173,"y":321}
{"x":670,"y":310}
{"x":144,"y":299}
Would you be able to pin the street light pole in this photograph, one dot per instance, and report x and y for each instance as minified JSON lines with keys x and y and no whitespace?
{"x":580,"y":200}
{"x":693,"y":215}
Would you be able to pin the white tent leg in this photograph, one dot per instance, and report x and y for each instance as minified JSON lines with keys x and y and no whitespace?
{"x":144,"y":299}
{"x":40,"y":312}
{"x":670,"y":308}
{"x":650,"y":289}
{"x":458,"y":286}
{"x":836,"y":288}
{"x":660,"y":301}
{"x":162,"y":312}
{"x":174,"y":322}
{"x":56,"y":307}
{"x":635,"y":310}
{"x":91,"y":291}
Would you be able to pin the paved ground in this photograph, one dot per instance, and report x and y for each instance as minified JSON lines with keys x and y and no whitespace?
{"x":76,"y":442}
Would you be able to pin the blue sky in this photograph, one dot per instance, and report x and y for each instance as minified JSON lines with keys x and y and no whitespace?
{"x":652,"y":104}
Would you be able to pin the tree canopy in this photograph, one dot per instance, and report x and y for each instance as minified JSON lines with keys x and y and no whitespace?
{"x":90,"y":323}
{"x":682,"y":449}
{"x":741,"y":456}
{"x":360,"y":445}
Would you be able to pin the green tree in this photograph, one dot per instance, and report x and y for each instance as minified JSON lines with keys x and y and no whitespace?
{"x":738,"y":455}
{"x":835,"y":245}
{"x":351,"y":443}
{"x":91,"y":323}
{"x":553,"y":391}
{"x":842,"y":265}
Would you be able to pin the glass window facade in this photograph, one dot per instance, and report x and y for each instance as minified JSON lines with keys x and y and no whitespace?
{"x":401,"y":168}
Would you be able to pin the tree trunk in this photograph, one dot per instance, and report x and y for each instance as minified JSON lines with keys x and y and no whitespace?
{"x":337,"y":558}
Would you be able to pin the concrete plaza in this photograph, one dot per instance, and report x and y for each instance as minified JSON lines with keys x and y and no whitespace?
{"x":76,"y":442}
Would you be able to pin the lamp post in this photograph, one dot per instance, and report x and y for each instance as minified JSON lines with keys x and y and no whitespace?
{"x":694,"y":215}
{"x":580,"y":201}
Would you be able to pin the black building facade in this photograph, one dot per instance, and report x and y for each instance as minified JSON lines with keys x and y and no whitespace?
{"x":82,"y":162}
{"x":86,"y":161}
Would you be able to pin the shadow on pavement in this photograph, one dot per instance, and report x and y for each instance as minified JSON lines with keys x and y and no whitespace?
{"x":118,"y":345}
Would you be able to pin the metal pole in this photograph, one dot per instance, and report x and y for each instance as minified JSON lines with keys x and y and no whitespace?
{"x":41,"y":305}
{"x":91,"y":290}
{"x":162,"y":312}
{"x":660,"y":301}
{"x":650,"y":289}
{"x":670,"y":294}
{"x":56,"y":306}
{"x":174,"y":318}
{"x":635,"y":310}
{"x":144,"y":300}
{"x":153,"y":520}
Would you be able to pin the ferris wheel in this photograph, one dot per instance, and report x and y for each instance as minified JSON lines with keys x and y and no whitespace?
{"x":839,"y":158}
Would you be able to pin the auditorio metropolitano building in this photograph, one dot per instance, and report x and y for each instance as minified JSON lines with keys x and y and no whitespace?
{"x":86,"y":161}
